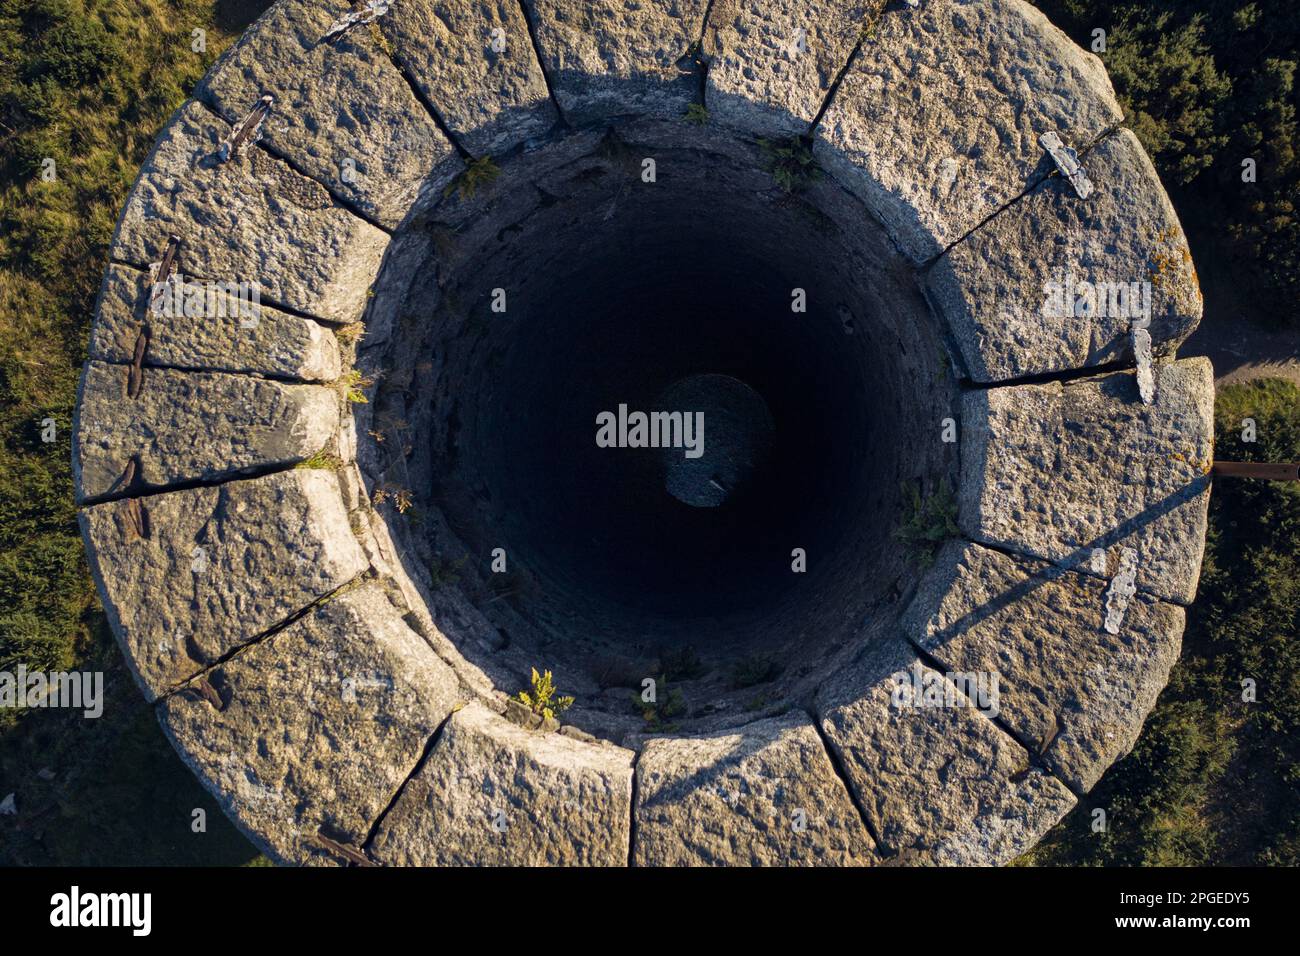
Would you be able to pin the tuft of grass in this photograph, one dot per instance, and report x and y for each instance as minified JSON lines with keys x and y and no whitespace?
{"x":350,"y":333}
{"x":476,"y":175}
{"x":682,"y":663}
{"x":754,"y":670}
{"x":353,"y":384}
{"x":791,"y":163}
{"x":323,"y":459}
{"x":696,"y":113}
{"x":927,"y":522}
{"x":541,"y":697}
{"x":659,"y":713}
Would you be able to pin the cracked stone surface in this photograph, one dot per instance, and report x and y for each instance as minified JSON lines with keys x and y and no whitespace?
{"x":771,"y":65}
{"x":193,"y":426}
{"x":217,"y":566}
{"x":606,"y":57}
{"x":252,"y":219}
{"x":492,"y":792}
{"x":343,"y":113}
{"x":1073,"y":693}
{"x":940,"y":784}
{"x":995,"y":287}
{"x":763,"y":795}
{"x":318,"y":725}
{"x":936,"y":123}
{"x":262,"y":341}
{"x":487,"y":87}
{"x":338,"y":675}
{"x":1055,"y":470}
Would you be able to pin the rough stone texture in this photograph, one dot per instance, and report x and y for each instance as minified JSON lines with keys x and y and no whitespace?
{"x":607,"y":57}
{"x":992,"y":287}
{"x":334,"y":102}
{"x":490,"y":101}
{"x":735,"y":798}
{"x":758,"y":79}
{"x":318,"y":727}
{"x":309,"y":732}
{"x":192,"y":426}
{"x":938,"y":784}
{"x":216,"y":567}
{"x":252,"y":219}
{"x":936,"y":124}
{"x":1054,"y":471}
{"x":1068,"y":689}
{"x":491,"y":792}
{"x":271,"y":342}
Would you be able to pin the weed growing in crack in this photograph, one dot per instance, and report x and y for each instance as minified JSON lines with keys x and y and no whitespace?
{"x":927,"y":522}
{"x":541,"y":698}
{"x":658,"y":713}
{"x":696,"y":113}
{"x":791,"y":163}
{"x":478,"y":173}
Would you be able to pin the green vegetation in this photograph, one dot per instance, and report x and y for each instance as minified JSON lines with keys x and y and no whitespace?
{"x":1206,"y":85}
{"x":754,"y":670}
{"x":658,"y":714}
{"x":541,"y":699}
{"x":354,"y":385}
{"x":927,"y":522}
{"x":682,"y":663}
{"x":791,"y":163}
{"x":697,"y":113}
{"x":86,"y":84}
{"x":477,"y":173}
{"x":1215,"y":779}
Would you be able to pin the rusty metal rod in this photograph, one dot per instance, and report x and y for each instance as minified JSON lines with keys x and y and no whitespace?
{"x":1265,"y":470}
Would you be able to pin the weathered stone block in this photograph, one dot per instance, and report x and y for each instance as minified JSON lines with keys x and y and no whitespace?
{"x":343,"y":113}
{"x":1056,"y":470}
{"x":771,"y":65}
{"x":316,"y":727}
{"x":192,"y":426}
{"x":1000,"y":288}
{"x":215,"y":567}
{"x":1067,"y":688}
{"x":490,"y":99}
{"x":264,"y":341}
{"x":936,"y":124}
{"x":491,"y":792}
{"x":764,"y":794}
{"x":939,"y":782}
{"x":252,"y":219}
{"x":607,"y":58}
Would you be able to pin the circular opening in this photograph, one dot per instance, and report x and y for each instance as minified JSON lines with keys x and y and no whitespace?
{"x":658,"y":424}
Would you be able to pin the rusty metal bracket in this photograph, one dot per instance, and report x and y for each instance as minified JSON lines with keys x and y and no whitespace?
{"x":1263,"y":470}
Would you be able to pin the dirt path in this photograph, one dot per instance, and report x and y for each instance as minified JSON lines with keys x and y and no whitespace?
{"x":1244,"y":351}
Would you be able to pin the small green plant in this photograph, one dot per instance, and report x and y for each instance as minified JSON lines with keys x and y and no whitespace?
{"x":658,"y":713}
{"x":753,"y":670}
{"x":353,"y":382}
{"x":323,"y":459}
{"x":478,"y":173}
{"x":681,"y":663}
{"x":697,"y":113}
{"x":927,"y":522}
{"x":442,"y":571}
{"x":350,"y":333}
{"x":791,"y":163}
{"x":541,"y":699}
